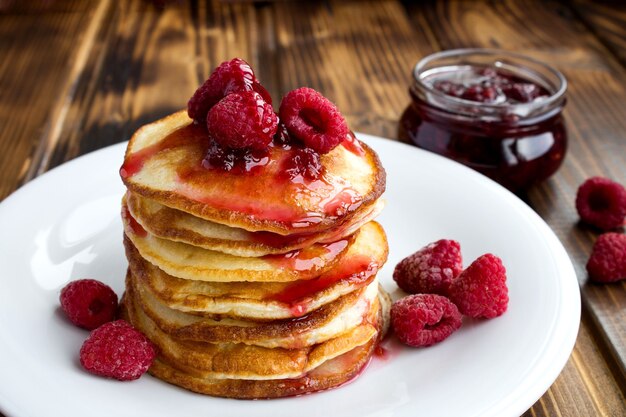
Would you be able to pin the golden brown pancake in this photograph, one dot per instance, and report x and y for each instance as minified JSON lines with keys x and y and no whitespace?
{"x":320,"y":325}
{"x":176,"y":225}
{"x":247,"y":372}
{"x":330,"y":374}
{"x":193,"y":263}
{"x":266,"y":300}
{"x":241,"y":361}
{"x":164,"y":162}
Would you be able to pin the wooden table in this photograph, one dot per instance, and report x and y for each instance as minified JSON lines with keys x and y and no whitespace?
{"x":76,"y":76}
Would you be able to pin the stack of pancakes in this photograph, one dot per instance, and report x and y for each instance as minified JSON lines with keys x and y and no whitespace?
{"x":252,"y":284}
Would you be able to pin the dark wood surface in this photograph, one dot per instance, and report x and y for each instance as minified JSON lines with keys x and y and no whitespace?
{"x":76,"y":76}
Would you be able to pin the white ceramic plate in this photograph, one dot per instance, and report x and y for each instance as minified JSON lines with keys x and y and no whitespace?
{"x":66,"y":225}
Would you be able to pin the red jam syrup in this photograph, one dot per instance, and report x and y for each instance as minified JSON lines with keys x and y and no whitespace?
{"x":133,"y":223}
{"x":309,"y":383}
{"x":134,"y":162}
{"x":381,"y":353}
{"x":487,"y":85}
{"x":483,"y":117}
{"x":388,"y":348}
{"x":352,"y":144}
{"x":309,"y":258}
{"x":279,"y":241}
{"x":252,"y":182}
{"x":357,"y":270}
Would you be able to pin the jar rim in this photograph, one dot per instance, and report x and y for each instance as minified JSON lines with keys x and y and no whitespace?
{"x":557,"y":90}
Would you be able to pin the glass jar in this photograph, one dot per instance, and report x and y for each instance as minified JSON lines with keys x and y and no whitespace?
{"x":497,"y":112}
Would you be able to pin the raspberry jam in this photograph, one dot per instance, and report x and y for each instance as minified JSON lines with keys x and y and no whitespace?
{"x":309,"y":258}
{"x":134,"y":224}
{"x":272,"y":184}
{"x":357,"y":270}
{"x":496,"y":112}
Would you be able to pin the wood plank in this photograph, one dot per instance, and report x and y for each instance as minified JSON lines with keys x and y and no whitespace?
{"x":551,"y":32}
{"x":141,"y":70}
{"x":123,"y":93}
{"x":40,"y":57}
{"x":607,"y":20}
{"x":359,"y":54}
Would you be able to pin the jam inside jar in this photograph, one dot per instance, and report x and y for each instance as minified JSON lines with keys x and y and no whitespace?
{"x":494,"y":111}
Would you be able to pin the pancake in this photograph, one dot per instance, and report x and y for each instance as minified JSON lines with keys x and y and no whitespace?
{"x":266,"y":300}
{"x":164,"y":162}
{"x":330,"y":374}
{"x":252,"y":372}
{"x":176,"y":225}
{"x":191,"y":262}
{"x":240,"y":361}
{"x":323,"y":324}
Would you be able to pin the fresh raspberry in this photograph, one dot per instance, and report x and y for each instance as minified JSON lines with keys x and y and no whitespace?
{"x":424,"y":319}
{"x":313,"y":119}
{"x":242,"y":120}
{"x":608,"y":258}
{"x":480,"y":290}
{"x":230,"y":77}
{"x":602,"y":203}
{"x":305,"y":162}
{"x":117,"y":350}
{"x":88,"y":303}
{"x":431,"y":269}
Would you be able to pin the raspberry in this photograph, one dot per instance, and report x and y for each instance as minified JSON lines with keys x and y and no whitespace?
{"x":313,"y":119}
{"x":424,"y":319}
{"x":117,"y":350}
{"x":88,"y":303}
{"x":305,"y":162}
{"x":242,"y":120}
{"x":431,"y":269}
{"x":230,"y":77}
{"x":602,"y":203}
{"x":480,"y":290}
{"x":607,"y":262}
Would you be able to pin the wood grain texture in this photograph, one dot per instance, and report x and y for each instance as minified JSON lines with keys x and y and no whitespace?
{"x":104,"y":68}
{"x":606,"y":20}
{"x":39,"y":64}
{"x":359,"y":54}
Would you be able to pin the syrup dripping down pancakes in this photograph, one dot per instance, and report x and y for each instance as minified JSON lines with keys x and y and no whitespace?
{"x":252,"y":283}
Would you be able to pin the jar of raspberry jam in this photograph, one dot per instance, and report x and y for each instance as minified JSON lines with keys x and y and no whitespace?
{"x":497,"y":112}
